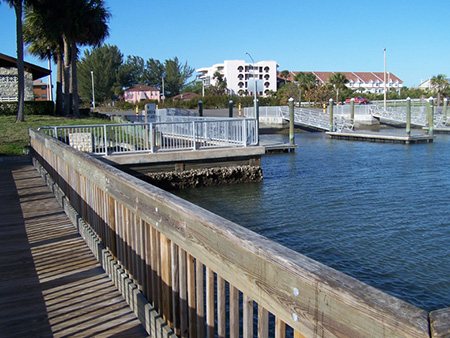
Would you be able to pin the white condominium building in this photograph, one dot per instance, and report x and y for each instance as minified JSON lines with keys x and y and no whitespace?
{"x":240,"y":76}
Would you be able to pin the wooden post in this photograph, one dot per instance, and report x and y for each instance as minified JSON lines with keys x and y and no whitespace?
{"x":291,"y":121}
{"x":330,"y":107}
{"x":431,"y":117}
{"x":408,"y":116}
{"x":352,"y":109}
{"x":444,"y":110}
{"x":240,"y":110}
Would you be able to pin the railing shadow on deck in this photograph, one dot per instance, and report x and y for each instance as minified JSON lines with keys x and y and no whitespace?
{"x":189,"y":272}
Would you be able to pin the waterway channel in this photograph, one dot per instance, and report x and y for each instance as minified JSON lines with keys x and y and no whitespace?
{"x":377,"y":212}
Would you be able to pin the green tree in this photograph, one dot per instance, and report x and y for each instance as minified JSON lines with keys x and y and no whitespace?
{"x":439,"y":83}
{"x":153,"y":74}
{"x":104,"y":62}
{"x":176,"y":76}
{"x":135,"y":65}
{"x":17,"y":4}
{"x":193,"y":87}
{"x":220,"y":88}
{"x":285,"y":75}
{"x":307,"y":82}
{"x":338,"y":80}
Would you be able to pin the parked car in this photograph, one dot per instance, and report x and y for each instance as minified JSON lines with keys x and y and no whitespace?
{"x":359,"y":100}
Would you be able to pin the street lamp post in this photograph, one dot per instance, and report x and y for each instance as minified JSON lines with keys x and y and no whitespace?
{"x":255,"y":98}
{"x":384,"y":49}
{"x":93,"y":96}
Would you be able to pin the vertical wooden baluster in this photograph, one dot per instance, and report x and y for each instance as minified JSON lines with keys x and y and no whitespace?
{"x":263,"y":322}
{"x":191,"y":295}
{"x":175,"y":288}
{"x":248,"y":317}
{"x":221,"y":321}
{"x":234,"y":312}
{"x":280,"y":328}
{"x":209,"y":303}
{"x":166,"y":280}
{"x":200,"y":300}
{"x":183,"y":293}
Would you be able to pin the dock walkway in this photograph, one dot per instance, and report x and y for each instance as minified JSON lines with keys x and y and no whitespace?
{"x":50,"y":283}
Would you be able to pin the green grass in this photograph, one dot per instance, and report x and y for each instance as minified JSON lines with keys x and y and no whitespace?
{"x":14,"y":136}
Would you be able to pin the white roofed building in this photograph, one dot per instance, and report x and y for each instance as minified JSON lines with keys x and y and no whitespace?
{"x":239,"y":76}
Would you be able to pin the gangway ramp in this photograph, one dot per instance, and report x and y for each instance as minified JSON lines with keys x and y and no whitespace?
{"x":310,"y":119}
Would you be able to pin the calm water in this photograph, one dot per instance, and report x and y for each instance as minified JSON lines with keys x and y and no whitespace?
{"x":378,"y":212}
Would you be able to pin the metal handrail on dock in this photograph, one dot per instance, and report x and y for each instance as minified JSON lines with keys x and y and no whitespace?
{"x":178,"y":134}
{"x":205,"y":274}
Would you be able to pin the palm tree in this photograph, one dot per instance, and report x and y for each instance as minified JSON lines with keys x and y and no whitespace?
{"x":17,"y":4}
{"x":285,"y":75}
{"x":338,"y":80}
{"x":439,"y":82}
{"x":307,"y":82}
{"x":67,"y":24}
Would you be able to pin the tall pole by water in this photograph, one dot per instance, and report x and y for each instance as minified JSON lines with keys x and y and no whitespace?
{"x":93,"y":96}
{"x":431,"y":121}
{"x":330,"y":107}
{"x":384,"y":49}
{"x":444,"y":110}
{"x":291,"y":121}
{"x":408,"y":116}
{"x":352,"y":109}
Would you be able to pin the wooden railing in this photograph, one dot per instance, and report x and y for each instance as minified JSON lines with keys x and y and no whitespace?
{"x":207,"y":276}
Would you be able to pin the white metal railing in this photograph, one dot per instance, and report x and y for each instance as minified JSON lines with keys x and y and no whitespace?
{"x":310,"y":117}
{"x":190,"y":134}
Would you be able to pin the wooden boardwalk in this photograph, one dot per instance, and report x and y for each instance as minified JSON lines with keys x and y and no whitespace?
{"x":50,"y":283}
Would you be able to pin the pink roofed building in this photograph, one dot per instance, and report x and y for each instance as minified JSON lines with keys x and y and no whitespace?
{"x":141,"y":93}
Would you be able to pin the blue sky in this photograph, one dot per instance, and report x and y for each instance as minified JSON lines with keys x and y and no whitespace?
{"x":300,"y":35}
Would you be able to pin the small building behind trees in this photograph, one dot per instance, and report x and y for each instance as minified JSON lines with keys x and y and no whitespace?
{"x":141,"y":93}
{"x":9,"y":79}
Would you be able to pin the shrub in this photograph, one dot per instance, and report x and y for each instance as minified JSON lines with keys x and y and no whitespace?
{"x":30,"y":108}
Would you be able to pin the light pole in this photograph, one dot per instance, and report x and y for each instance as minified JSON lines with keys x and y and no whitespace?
{"x":384,"y":50}
{"x":255,"y":99}
{"x":254,"y":79}
{"x":93,"y":96}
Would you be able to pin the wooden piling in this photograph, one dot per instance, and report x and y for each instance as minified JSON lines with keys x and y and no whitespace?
{"x":291,"y":121}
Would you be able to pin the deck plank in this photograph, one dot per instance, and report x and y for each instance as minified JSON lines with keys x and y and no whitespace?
{"x":50,"y":283}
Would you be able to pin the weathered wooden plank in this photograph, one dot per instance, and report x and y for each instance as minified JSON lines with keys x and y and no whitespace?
{"x":210,"y":303}
{"x":200,"y":287}
{"x":221,"y":306}
{"x":183,"y":293}
{"x":280,"y":328}
{"x":440,"y":323}
{"x":191,"y":296}
{"x":263,"y":322}
{"x":247,"y":322}
{"x":175,"y":275}
{"x":234,"y":312}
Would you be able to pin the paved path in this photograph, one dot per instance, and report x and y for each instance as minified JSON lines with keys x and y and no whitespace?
{"x":50,"y":283}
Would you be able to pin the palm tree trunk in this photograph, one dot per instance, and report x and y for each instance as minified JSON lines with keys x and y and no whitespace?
{"x":20,"y":67}
{"x":59,"y":84}
{"x":66,"y":76}
{"x":76,"y":111}
{"x":337,"y":95}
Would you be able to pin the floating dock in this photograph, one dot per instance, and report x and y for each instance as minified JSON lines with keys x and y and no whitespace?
{"x":277,"y":147}
{"x":382,"y":137}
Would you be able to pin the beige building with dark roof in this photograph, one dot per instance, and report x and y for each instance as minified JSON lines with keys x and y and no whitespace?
{"x":361,"y":81}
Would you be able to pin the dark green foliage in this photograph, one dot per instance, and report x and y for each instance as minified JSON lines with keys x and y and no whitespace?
{"x":31,"y":108}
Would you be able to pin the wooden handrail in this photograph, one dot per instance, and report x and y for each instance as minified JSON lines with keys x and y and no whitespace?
{"x":173,"y":249}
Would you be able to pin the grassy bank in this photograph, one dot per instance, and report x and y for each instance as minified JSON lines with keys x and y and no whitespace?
{"x":14,"y":136}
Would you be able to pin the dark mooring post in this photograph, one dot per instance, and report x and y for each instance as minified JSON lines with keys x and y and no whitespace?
{"x":330,"y":109}
{"x":230,"y":108}
{"x":408,"y":116}
{"x":291,"y":121}
{"x":200,"y":108}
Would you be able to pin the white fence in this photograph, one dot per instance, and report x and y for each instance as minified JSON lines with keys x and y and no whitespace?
{"x":183,"y":134}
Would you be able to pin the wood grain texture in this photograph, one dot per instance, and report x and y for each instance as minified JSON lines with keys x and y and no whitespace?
{"x":51,"y":285}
